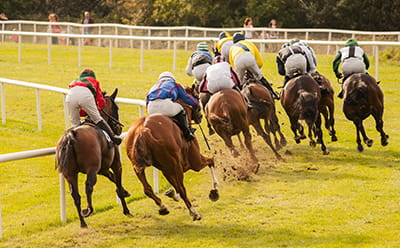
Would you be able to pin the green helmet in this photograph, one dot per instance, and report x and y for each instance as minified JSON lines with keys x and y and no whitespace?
{"x":87,"y":73}
{"x":351,"y":42}
{"x":294,"y":40}
{"x":202,"y":46}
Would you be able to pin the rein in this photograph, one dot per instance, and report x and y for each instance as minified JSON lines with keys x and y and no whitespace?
{"x":112,"y":118}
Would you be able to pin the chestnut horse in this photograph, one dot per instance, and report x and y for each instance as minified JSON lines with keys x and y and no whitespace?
{"x":263,"y":107}
{"x":226,"y":112}
{"x":156,"y":140}
{"x":327,"y":104}
{"x":363,"y":97}
{"x":300,"y":98}
{"x":85,"y":149}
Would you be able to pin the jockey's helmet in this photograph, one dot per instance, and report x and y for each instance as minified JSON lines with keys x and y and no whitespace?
{"x":87,"y":73}
{"x":237,"y":37}
{"x":224,"y":34}
{"x":165,"y":75}
{"x":294,"y":40}
{"x":219,"y":59}
{"x":351,"y":42}
{"x":202,"y":46}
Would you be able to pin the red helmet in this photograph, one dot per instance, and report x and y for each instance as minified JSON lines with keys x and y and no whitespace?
{"x":219,"y":59}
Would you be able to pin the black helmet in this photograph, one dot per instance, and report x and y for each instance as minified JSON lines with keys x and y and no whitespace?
{"x":237,"y":37}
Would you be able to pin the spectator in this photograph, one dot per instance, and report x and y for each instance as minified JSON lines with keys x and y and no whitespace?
{"x":14,"y":37}
{"x":3,"y":17}
{"x":54,"y":28}
{"x":248,"y":24}
{"x":87,"y":19}
{"x":273,"y":34}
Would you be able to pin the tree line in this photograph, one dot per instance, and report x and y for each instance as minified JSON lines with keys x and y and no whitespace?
{"x":367,"y":15}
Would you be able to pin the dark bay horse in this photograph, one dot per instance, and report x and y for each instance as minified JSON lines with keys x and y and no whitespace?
{"x":85,"y":149}
{"x":226,"y":112}
{"x":327,"y":104}
{"x":156,"y":140}
{"x":363,"y":97}
{"x":263,"y":108}
{"x":300,"y":98}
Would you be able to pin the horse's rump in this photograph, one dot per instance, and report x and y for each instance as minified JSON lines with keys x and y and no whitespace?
{"x":355,"y":91}
{"x":307,"y":104}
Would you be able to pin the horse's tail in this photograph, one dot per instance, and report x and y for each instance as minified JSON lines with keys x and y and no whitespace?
{"x":221,"y":120}
{"x":308,"y":106}
{"x":142,"y":142}
{"x":358,"y":95}
{"x":65,"y":153}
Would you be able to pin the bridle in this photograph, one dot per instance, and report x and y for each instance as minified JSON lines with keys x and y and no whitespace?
{"x":110,"y":117}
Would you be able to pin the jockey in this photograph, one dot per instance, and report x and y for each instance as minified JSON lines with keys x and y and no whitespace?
{"x":162,"y":98}
{"x":223,"y":45}
{"x":198,"y":62}
{"x":291,"y":61}
{"x":85,"y":98}
{"x":245,"y":57}
{"x":354,"y":60}
{"x":309,"y":52}
{"x":219,"y":76}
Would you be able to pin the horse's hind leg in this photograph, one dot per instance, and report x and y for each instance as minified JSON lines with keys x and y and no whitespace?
{"x":266,"y":137}
{"x":148,"y":190}
{"x":379,"y":128}
{"x":332,"y":131}
{"x":73,"y":185}
{"x":249,"y":145}
{"x":91,"y":180}
{"x":111,"y":177}
{"x":175,"y":178}
{"x":319,"y":134}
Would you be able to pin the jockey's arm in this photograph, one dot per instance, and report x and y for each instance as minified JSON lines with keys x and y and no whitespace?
{"x":366,"y":61}
{"x":281,"y":66}
{"x":189,"y":67}
{"x":336,"y":63}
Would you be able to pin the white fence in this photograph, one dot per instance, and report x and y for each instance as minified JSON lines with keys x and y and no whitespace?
{"x":262,"y":42}
{"x":49,"y":151}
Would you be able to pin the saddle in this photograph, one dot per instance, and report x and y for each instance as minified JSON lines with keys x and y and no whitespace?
{"x":89,"y":122}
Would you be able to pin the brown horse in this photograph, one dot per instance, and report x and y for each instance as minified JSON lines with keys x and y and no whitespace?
{"x":85,"y":149}
{"x":363,"y":97}
{"x":156,"y":140}
{"x":300,"y":98}
{"x":263,"y":107}
{"x":227,"y":114}
{"x":327,"y":104}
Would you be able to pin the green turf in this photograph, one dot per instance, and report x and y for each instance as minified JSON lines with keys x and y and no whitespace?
{"x":344,"y":199}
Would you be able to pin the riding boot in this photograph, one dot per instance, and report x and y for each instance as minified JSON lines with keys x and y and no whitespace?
{"x":104,"y":126}
{"x":340,"y":94}
{"x":269,"y":87}
{"x":182,"y":122}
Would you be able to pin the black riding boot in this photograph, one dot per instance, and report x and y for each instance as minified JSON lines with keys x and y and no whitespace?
{"x":181,"y":120}
{"x":269,"y":87}
{"x":104,"y":125}
{"x":249,"y":106}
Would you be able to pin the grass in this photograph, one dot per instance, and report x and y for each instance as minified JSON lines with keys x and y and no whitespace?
{"x":344,"y":199}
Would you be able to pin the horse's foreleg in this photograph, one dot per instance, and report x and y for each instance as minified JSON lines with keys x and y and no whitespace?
{"x":319,"y":134}
{"x":214,"y":196}
{"x":91,"y":180}
{"x":332,"y":131}
{"x":275,"y":128}
{"x":360,"y":147}
{"x":366,"y":140}
{"x":73,"y":186}
{"x":294,"y":126}
{"x":148,"y":190}
{"x":121,"y":192}
{"x":266,"y":137}
{"x":228,"y":142}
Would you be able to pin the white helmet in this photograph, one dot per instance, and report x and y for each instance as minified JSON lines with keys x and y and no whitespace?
{"x":166,"y":74}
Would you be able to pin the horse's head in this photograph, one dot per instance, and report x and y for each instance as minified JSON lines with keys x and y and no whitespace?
{"x":110,"y":113}
{"x":195,"y":114}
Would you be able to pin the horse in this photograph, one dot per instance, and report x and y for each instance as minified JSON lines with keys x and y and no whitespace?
{"x":263,"y":107}
{"x":226,"y":112}
{"x":363,"y":97}
{"x":327,"y":105}
{"x":156,"y":140}
{"x":300,"y":98}
{"x":86,"y":149}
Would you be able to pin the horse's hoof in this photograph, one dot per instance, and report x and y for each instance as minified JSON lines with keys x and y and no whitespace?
{"x":163,"y":211}
{"x":334,"y":138}
{"x":196,"y":217}
{"x":170,"y":193}
{"x":211,"y":132}
{"x":313,"y":143}
{"x":86,"y":212}
{"x":369,"y":142}
{"x":84,"y":225}
{"x":360,"y":148}
{"x":326,"y":152}
{"x":297,"y":141}
{"x":384,"y":141}
{"x":214,"y":195}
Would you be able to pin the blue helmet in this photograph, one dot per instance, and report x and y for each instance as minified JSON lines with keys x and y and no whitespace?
{"x":223,"y":34}
{"x":237,"y":37}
